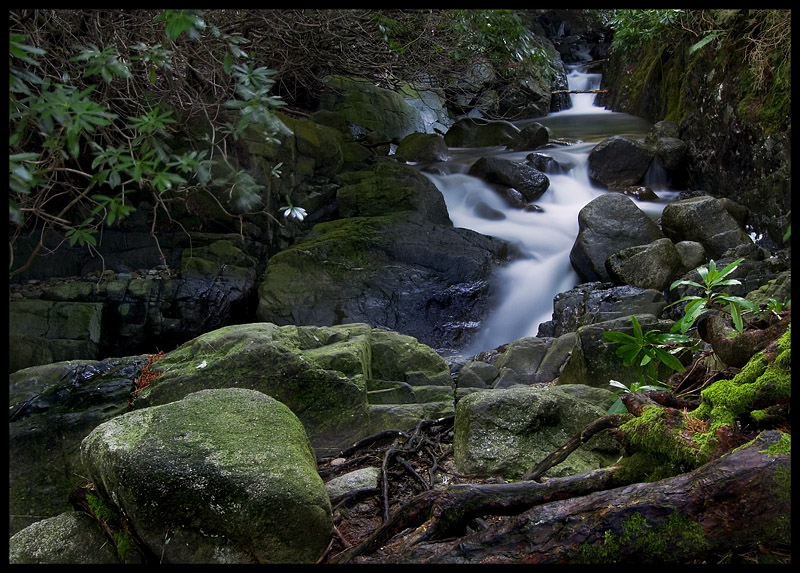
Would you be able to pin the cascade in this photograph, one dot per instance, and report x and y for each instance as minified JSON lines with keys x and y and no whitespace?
{"x":526,"y":287}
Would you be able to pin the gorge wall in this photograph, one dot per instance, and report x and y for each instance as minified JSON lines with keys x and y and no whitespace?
{"x":738,"y":136}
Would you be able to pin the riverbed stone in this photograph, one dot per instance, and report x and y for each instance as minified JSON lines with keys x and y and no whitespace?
{"x":619,"y":161}
{"x":474,"y":132}
{"x":704,"y":220}
{"x":607,"y":224}
{"x":422,"y":148}
{"x":523,"y":177}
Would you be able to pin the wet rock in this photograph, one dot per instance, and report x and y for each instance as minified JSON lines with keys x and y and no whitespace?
{"x":422,"y":148}
{"x":619,"y":162}
{"x":473,"y":132}
{"x":605,"y":225}
{"x":529,"y":181}
{"x":531,"y":136}
{"x":704,"y":220}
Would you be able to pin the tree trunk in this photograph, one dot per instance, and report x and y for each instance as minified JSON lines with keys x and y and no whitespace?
{"x":737,"y":499}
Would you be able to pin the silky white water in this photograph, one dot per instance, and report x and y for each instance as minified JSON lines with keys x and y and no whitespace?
{"x":526,"y":287}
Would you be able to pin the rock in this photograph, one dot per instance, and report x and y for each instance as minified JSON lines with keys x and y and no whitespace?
{"x":594,"y":361}
{"x":652,"y":266}
{"x":662,"y":129}
{"x":422,"y":148}
{"x":396,"y":272}
{"x":506,"y":432}
{"x":531,"y":136}
{"x":472,"y":132}
{"x":529,"y":181}
{"x":671,"y":154}
{"x":368,"y":107}
{"x":640,"y":192}
{"x":535,"y":360}
{"x":546,"y":164}
{"x":72,"y":537}
{"x":477,"y":374}
{"x":388,"y":188}
{"x":704,"y":220}
{"x":51,"y":409}
{"x":43,"y":331}
{"x":364,"y":478}
{"x":220,"y":476}
{"x":692,"y":255}
{"x":619,"y":161}
{"x":605,"y":225}
{"x":590,"y":303}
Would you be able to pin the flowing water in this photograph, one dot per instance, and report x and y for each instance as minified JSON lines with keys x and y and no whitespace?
{"x":526,"y":287}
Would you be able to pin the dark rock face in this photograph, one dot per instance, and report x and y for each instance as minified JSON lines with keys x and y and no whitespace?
{"x":471,"y":132}
{"x":605,"y":225}
{"x":593,"y":302}
{"x":397,"y":272}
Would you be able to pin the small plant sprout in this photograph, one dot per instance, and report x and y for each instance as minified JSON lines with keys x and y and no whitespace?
{"x":696,"y":305}
{"x":618,"y":407}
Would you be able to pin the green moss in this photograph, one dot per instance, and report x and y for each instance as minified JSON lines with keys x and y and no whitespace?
{"x":647,"y":433}
{"x":676,"y":539}
{"x":100,"y":510}
{"x":125,"y":547}
{"x":784,"y":446}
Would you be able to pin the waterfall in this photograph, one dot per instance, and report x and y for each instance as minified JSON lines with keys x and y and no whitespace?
{"x":526,"y":287}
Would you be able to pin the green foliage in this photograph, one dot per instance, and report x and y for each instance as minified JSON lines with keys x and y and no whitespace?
{"x":697,"y":305}
{"x":635,"y":27}
{"x":94,"y":149}
{"x":648,"y":349}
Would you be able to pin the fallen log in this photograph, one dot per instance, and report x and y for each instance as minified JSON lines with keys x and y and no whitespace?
{"x":733,"y":501}
{"x":580,"y":91}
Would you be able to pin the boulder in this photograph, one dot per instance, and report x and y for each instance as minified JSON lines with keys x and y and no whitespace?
{"x":531,"y":136}
{"x":389,"y":187}
{"x":397,"y":272}
{"x":652,"y":266}
{"x":367,"y":107}
{"x":619,"y":161}
{"x":671,"y":154}
{"x":473,"y":132}
{"x":506,"y":432}
{"x":533,"y":360}
{"x":589,"y":303}
{"x":594,"y":361}
{"x":72,"y":537}
{"x":220,"y":476}
{"x":422,"y":148}
{"x":607,"y":224}
{"x":523,"y":177}
{"x":704,"y":220}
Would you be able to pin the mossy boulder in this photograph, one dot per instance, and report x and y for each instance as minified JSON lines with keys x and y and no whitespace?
{"x":220,"y":476}
{"x":72,"y":537}
{"x":371,"y":108}
{"x":387,"y":188}
{"x":423,"y":148}
{"x":472,"y":132}
{"x":506,"y":432}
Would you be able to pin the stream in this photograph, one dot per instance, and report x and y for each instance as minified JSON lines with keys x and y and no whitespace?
{"x":526,"y":287}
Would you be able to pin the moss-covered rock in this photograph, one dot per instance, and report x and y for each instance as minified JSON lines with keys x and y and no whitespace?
{"x":506,"y":432}
{"x":220,"y":476}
